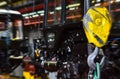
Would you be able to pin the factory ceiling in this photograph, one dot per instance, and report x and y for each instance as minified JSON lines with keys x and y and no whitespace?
{"x":18,"y":4}
{"x":25,"y":6}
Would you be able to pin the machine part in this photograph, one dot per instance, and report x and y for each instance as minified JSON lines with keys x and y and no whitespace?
{"x":92,"y":56}
{"x":97,"y":25}
{"x":51,"y":66}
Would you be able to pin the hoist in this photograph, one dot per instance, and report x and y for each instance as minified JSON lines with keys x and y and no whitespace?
{"x":97,"y":25}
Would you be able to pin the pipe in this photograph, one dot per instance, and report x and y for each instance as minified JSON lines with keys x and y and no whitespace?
{"x":45,"y":13}
{"x":63,"y":12}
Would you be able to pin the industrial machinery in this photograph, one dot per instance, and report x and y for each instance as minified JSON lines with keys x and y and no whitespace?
{"x":11,"y":34}
{"x":57,"y":34}
{"x":65,"y":49}
{"x":95,"y":21}
{"x":97,"y":28}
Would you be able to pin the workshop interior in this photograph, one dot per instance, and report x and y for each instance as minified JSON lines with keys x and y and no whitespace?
{"x":59,"y":39}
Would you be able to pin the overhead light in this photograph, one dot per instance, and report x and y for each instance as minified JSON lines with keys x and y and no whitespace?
{"x":98,"y":0}
{"x":3,"y":3}
{"x":13,"y":12}
{"x":111,"y":1}
{"x":28,"y":14}
{"x":42,"y":11}
{"x":93,"y":1}
{"x":98,"y":4}
{"x":42,"y":14}
{"x":51,"y":12}
{"x":73,"y":5}
{"x":58,"y":8}
{"x":72,"y":8}
{"x":35,"y":15}
{"x":24,"y":15}
{"x":30,"y":17}
{"x":32,"y":13}
{"x":117,"y":1}
{"x":69,"y":6}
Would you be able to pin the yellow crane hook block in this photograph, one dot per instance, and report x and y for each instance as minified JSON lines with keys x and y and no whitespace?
{"x":97,"y":25}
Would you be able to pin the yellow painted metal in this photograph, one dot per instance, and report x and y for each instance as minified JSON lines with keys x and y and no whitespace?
{"x":37,"y":54}
{"x":27,"y":75}
{"x":97,"y":24}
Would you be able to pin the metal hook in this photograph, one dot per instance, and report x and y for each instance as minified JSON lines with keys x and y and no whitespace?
{"x":92,"y":56}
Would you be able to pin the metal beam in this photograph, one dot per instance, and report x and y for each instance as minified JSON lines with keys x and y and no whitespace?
{"x":63,"y":11}
{"x":45,"y":13}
